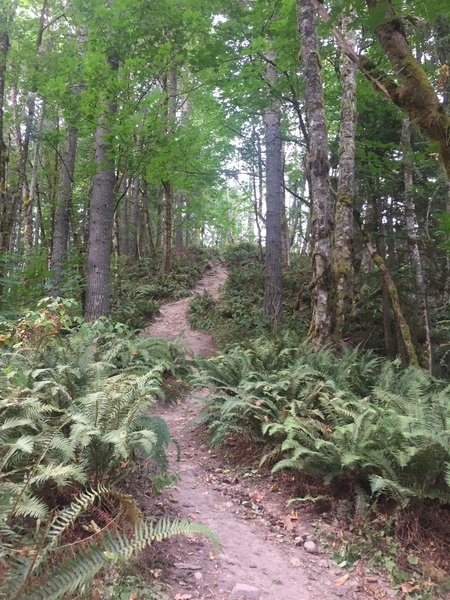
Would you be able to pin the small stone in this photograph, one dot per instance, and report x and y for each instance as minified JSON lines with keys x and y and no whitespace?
{"x":323,"y":562}
{"x":198,"y":576}
{"x":311,"y":547}
{"x":242,"y":591}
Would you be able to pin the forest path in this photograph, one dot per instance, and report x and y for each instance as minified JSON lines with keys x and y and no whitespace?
{"x":262,"y":556}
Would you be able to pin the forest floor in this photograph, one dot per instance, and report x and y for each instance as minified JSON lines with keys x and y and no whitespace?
{"x":263,"y":554}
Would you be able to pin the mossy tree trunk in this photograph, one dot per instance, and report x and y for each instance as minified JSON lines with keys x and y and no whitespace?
{"x":321,"y":220}
{"x":343,"y":232}
{"x":412,"y":92}
{"x":405,"y":332}
{"x":412,"y":231}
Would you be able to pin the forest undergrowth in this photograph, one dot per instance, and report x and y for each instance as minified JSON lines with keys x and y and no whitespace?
{"x":367,"y":439}
{"x":74,"y":424}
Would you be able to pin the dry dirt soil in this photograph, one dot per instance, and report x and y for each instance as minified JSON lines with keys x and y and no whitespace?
{"x":263,"y":555}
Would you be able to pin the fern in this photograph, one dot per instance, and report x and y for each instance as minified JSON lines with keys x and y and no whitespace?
{"x":355,"y":417}
{"x":78,"y":571}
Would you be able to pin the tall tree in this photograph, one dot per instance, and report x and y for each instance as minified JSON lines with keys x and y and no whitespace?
{"x":101,"y":214}
{"x":320,"y":330}
{"x":423,"y":334}
{"x":343,"y":231}
{"x":170,"y":92}
{"x":273,"y":283}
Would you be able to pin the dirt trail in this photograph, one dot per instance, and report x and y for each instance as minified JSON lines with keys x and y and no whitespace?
{"x":263,"y":555}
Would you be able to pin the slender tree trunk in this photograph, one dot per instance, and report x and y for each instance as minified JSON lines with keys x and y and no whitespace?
{"x":258,"y":192}
{"x":392,"y":341}
{"x":171,"y":114}
{"x":148,"y":226}
{"x":123,"y":232}
{"x":31,"y":193}
{"x":411,"y":356}
{"x":4,"y":49}
{"x":284,"y":222}
{"x":273,"y":283}
{"x":320,"y":330}
{"x":101,"y":216}
{"x":343,"y":233}
{"x":413,"y":241}
{"x":133,"y":223}
{"x":61,"y":228}
{"x":179,"y":243}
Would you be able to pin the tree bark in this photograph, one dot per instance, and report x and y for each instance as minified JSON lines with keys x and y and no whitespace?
{"x":61,"y":228}
{"x":273,"y":305}
{"x":171,"y":114}
{"x":343,"y":233}
{"x":320,"y":329}
{"x":4,"y":49}
{"x":133,"y":223}
{"x":101,"y":216}
{"x":179,"y":243}
{"x":413,"y":241}
{"x":284,"y":223}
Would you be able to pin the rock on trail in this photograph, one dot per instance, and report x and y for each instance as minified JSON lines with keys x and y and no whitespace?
{"x":255,"y":561}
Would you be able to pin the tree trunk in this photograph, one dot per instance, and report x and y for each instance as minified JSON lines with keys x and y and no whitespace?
{"x":101,"y":217}
{"x":423,"y":336}
{"x":123,"y":232}
{"x":151,"y":250}
{"x":284,"y":222}
{"x":273,"y":284}
{"x":133,"y":223}
{"x":4,"y":49}
{"x":405,"y":332}
{"x":28,"y":205}
{"x":320,"y":330}
{"x":179,"y":244}
{"x":171,"y":114}
{"x":343,"y":233}
{"x":61,"y":228}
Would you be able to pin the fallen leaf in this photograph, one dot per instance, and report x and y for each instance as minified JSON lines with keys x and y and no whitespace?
{"x":134,"y":596}
{"x":407,"y":587}
{"x":256,"y":496}
{"x":193,"y":517}
{"x":294,"y":515}
{"x":342,"y":579}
